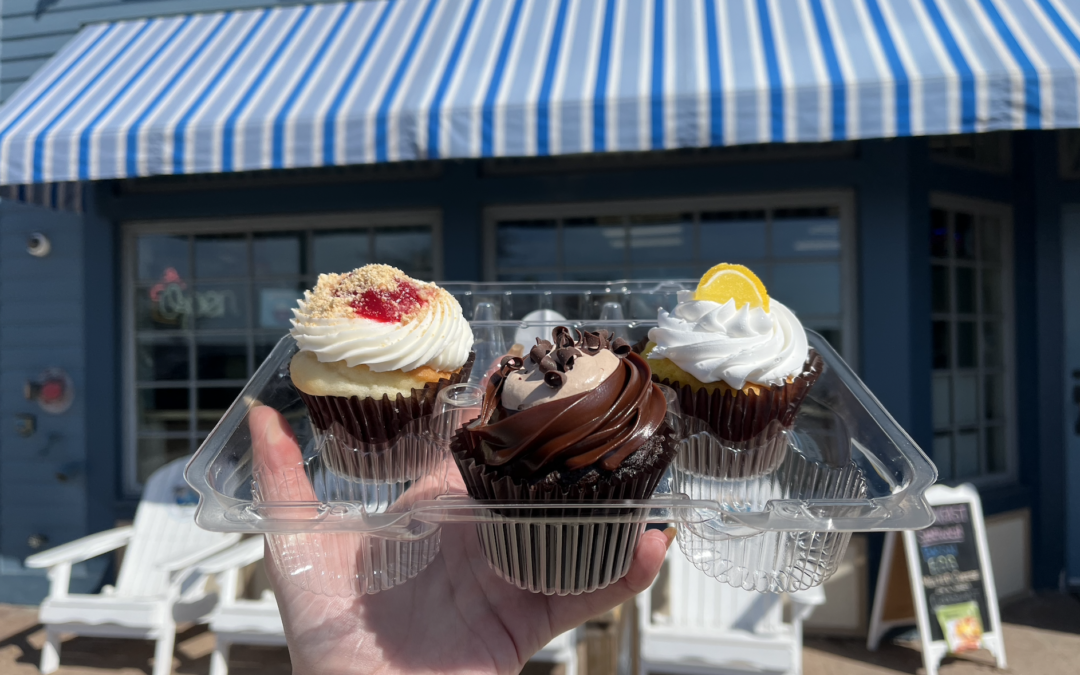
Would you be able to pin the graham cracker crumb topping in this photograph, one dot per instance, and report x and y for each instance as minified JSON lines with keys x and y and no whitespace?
{"x":377,"y":292}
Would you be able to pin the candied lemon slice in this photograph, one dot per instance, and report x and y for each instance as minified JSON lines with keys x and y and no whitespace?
{"x":726,"y":282}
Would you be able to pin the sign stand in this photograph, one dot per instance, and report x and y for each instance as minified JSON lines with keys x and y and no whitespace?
{"x":948,"y":567}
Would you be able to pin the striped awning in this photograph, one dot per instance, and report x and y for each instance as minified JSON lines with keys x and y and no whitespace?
{"x":378,"y":81}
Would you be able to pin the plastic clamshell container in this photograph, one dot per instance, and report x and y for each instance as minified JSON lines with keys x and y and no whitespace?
{"x":850,"y":468}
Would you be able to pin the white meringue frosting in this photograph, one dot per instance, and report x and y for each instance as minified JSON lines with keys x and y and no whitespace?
{"x":436,"y":334}
{"x":718,"y":343}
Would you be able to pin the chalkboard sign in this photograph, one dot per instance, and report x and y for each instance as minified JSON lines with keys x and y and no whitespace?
{"x":949,"y":591}
{"x":952,"y":578}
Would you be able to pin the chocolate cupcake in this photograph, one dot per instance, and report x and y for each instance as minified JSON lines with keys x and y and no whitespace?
{"x":739,"y":361}
{"x":574,"y":421}
{"x":375,"y":348}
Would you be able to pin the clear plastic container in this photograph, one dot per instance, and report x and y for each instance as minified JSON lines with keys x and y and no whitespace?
{"x":849,"y":467}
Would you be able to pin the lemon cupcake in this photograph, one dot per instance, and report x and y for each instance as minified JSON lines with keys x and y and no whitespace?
{"x":740,"y":363}
{"x":375,"y":348}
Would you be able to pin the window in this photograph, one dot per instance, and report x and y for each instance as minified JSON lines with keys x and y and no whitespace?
{"x":971,"y":337}
{"x":206,"y":302}
{"x":797,"y":244}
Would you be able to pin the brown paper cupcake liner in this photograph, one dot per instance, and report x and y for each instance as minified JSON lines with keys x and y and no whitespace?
{"x":359,"y":433}
{"x":560,"y":553}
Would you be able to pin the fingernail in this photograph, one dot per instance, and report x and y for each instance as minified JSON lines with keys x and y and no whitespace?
{"x":670,"y":534}
{"x":272,"y":432}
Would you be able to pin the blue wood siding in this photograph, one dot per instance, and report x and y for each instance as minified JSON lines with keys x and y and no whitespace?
{"x":44,"y":315}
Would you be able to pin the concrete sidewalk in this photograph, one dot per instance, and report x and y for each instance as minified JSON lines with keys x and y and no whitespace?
{"x":1042,"y":637}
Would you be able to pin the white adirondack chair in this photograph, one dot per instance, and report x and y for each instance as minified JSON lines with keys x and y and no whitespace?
{"x":158,"y":586}
{"x":236,"y":620}
{"x":715,"y":628}
{"x":563,"y":649}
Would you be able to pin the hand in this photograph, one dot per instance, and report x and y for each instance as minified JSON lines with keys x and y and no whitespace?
{"x":456,"y":616}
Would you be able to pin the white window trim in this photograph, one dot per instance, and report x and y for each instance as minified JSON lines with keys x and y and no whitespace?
{"x":843,"y":199}
{"x":1004,"y":212}
{"x":301,"y":221}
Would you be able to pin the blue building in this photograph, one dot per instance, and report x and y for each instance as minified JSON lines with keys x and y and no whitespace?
{"x":900,"y":173}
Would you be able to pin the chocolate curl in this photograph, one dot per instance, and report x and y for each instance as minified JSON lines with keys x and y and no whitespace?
{"x":591,"y":343}
{"x":621,"y":348}
{"x":560,"y":335}
{"x":565,"y":358}
{"x":538,"y":352}
{"x":511,"y":363}
{"x":548,"y":364}
{"x":554,"y":379}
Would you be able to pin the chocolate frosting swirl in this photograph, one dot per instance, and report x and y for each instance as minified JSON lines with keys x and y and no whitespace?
{"x":601,"y":427}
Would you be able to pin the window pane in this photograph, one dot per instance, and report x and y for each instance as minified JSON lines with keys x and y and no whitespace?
{"x":154,"y":453}
{"x":275,"y":303}
{"x":732,"y":236}
{"x":593,"y":241}
{"x":994,"y":398}
{"x":995,"y":450}
{"x":965,"y":289}
{"x":340,"y":251}
{"x":221,"y":256}
{"x":278,"y":254}
{"x":967,"y":454}
{"x":406,"y":248}
{"x":157,"y":255}
{"x":939,"y":233}
{"x":942,"y":346}
{"x":221,"y":358}
{"x":663,"y":273}
{"x":992,"y":345}
{"x":943,"y":455}
{"x":990,"y":239}
{"x":213,"y":402}
{"x":795,"y":236}
{"x":157,"y":360}
{"x":964,"y":236}
{"x":809,"y":288}
{"x":939,"y":279}
{"x":163,"y":410}
{"x":942,"y":400}
{"x":528,"y":276}
{"x":220,"y":306}
{"x":662,"y":238}
{"x":991,"y":290}
{"x":264,"y":344}
{"x":163,"y":306}
{"x":965,"y":344}
{"x":965,"y":400}
{"x":526,"y":243}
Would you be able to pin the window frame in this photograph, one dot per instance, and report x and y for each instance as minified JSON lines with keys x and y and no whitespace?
{"x":306,"y":222}
{"x":844,"y":200}
{"x":1004,"y":212}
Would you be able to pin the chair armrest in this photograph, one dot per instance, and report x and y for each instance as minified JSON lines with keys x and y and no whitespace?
{"x":83,"y":548}
{"x":243,"y":554}
{"x":196,"y":557}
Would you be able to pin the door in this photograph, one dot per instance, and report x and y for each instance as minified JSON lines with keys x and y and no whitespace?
{"x":1071,"y":281}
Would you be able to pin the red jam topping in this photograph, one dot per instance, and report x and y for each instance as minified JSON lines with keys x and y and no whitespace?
{"x":388,"y":306}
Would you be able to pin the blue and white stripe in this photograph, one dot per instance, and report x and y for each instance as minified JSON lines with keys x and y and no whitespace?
{"x":386,"y":80}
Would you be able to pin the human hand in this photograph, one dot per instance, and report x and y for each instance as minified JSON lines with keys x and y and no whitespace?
{"x":456,"y":616}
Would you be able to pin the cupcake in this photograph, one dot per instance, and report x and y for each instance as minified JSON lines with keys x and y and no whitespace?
{"x":375,"y":348}
{"x":574,"y":421}
{"x":740,"y":363}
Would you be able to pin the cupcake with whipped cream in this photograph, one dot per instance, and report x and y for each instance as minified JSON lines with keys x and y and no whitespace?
{"x":740,"y":363}
{"x":375,"y":348}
